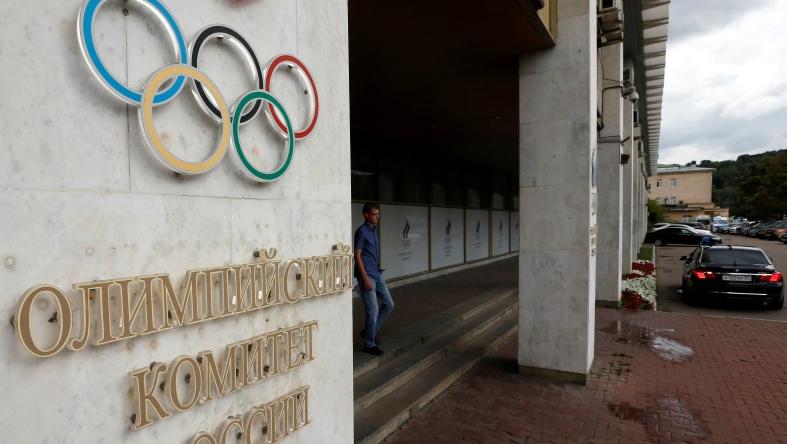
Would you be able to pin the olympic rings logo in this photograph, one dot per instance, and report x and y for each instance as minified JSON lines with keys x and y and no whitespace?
{"x":204,"y":91}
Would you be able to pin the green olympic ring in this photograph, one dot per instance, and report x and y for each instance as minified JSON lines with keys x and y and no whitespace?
{"x":256,"y":174}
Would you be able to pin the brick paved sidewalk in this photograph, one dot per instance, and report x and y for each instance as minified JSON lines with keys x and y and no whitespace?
{"x":657,"y":377}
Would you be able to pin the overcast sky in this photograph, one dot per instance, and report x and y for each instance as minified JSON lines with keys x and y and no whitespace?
{"x":726,"y":80}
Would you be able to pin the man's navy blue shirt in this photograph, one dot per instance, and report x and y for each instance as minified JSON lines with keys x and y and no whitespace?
{"x":366,"y":241}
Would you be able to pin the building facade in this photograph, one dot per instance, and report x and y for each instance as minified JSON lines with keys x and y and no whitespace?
{"x":178,"y":182}
{"x":685,"y":192}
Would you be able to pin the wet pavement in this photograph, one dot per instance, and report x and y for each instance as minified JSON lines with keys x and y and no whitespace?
{"x":669,"y":269}
{"x":657,"y":377}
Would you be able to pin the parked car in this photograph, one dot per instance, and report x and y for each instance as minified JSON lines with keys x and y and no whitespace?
{"x":704,"y":220}
{"x":705,"y":232}
{"x":732,"y":273}
{"x":775,"y":231}
{"x":659,"y":225}
{"x":760,"y":231}
{"x":736,"y":228}
{"x":680,"y":235}
{"x":695,"y":225}
{"x":783,"y":238}
{"x":747,"y":228}
{"x":718,"y":226}
{"x":752,"y":231}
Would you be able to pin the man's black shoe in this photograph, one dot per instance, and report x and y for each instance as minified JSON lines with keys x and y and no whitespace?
{"x":363,"y":336}
{"x":373,"y":350}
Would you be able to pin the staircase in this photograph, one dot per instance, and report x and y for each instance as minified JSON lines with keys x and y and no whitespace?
{"x":425,"y":358}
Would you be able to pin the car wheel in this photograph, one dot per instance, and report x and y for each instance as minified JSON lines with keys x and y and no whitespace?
{"x":659,"y":242}
{"x":688,"y":295}
{"x":778,"y":305}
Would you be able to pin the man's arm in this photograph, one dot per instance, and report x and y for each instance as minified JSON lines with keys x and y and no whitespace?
{"x":367,"y":283}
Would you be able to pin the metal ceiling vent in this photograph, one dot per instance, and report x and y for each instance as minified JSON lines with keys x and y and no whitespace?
{"x":610,"y":22}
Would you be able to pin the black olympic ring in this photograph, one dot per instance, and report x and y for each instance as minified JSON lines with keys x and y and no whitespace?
{"x":222,"y":31}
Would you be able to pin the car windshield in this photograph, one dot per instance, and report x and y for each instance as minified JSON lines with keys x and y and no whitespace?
{"x":734,"y":257}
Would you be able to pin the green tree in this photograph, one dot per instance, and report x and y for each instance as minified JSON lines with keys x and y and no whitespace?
{"x":656,"y":212}
{"x":752,"y":186}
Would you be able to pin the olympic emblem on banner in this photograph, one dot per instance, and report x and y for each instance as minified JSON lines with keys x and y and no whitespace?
{"x":204,"y":91}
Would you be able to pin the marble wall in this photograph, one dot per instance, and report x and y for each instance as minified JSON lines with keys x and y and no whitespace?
{"x":83,"y":199}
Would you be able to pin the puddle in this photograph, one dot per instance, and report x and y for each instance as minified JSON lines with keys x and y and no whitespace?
{"x":626,"y":412}
{"x":666,"y":348}
{"x":663,"y":417}
{"x":671,"y":350}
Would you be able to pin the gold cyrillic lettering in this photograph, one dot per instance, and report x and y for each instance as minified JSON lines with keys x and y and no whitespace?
{"x":347,"y":272}
{"x":79,"y":342}
{"x":278,"y":419}
{"x":298,"y":293}
{"x":224,"y":381}
{"x":129,"y":313}
{"x":172,"y":383}
{"x":64,"y":320}
{"x":308,"y":332}
{"x":204,"y":438}
{"x":294,"y":356}
{"x":270,"y":284}
{"x":312,"y":265}
{"x":176,"y":306}
{"x":209,"y":289}
{"x":328,"y":275}
{"x":279,"y":347}
{"x":102,"y":288}
{"x":233,"y":421}
{"x":249,"y":428}
{"x":245,"y":290}
{"x":145,"y":396}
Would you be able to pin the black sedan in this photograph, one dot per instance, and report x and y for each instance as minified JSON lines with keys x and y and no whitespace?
{"x":680,"y":235}
{"x":732,"y":273}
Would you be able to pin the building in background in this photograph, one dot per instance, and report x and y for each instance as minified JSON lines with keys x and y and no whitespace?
{"x":686,"y":192}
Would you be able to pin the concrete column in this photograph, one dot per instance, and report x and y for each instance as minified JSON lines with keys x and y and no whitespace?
{"x":636,"y":212}
{"x":558,"y":102}
{"x":627,"y":195}
{"x":610,"y":180}
{"x":643,"y":201}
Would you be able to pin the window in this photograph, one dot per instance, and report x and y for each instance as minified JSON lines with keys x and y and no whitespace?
{"x":672,"y":200}
{"x":687,"y":218}
{"x":734,"y":257}
{"x":658,"y":184}
{"x":673,"y":183}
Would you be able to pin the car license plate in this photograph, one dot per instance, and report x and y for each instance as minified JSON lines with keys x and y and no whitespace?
{"x":735,"y":278}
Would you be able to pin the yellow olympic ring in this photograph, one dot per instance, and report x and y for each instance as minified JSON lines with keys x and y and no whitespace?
{"x":149,"y":130}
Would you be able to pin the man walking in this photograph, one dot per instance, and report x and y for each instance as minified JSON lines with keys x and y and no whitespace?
{"x":370,"y":277}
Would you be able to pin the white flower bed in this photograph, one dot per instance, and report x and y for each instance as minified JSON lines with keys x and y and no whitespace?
{"x":639,"y":287}
{"x":644,"y":286}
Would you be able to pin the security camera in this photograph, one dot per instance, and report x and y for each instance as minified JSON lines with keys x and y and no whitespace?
{"x":634,"y":96}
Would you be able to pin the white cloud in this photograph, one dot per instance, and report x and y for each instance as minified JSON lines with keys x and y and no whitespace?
{"x":721,"y":83}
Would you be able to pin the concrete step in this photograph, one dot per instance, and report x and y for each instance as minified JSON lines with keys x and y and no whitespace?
{"x":378,"y":420}
{"x":421,"y":332}
{"x":378,"y":383}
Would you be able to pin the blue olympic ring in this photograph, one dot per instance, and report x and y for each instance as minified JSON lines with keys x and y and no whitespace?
{"x":128,"y":95}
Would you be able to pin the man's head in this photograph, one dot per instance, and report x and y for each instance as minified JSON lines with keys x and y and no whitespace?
{"x":371,"y":213}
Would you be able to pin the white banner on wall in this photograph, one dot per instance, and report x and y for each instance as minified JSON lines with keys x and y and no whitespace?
{"x":404,"y":240}
{"x":447,"y":230}
{"x":514,"y":231}
{"x":476,"y":234}
{"x":500,"y":241}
